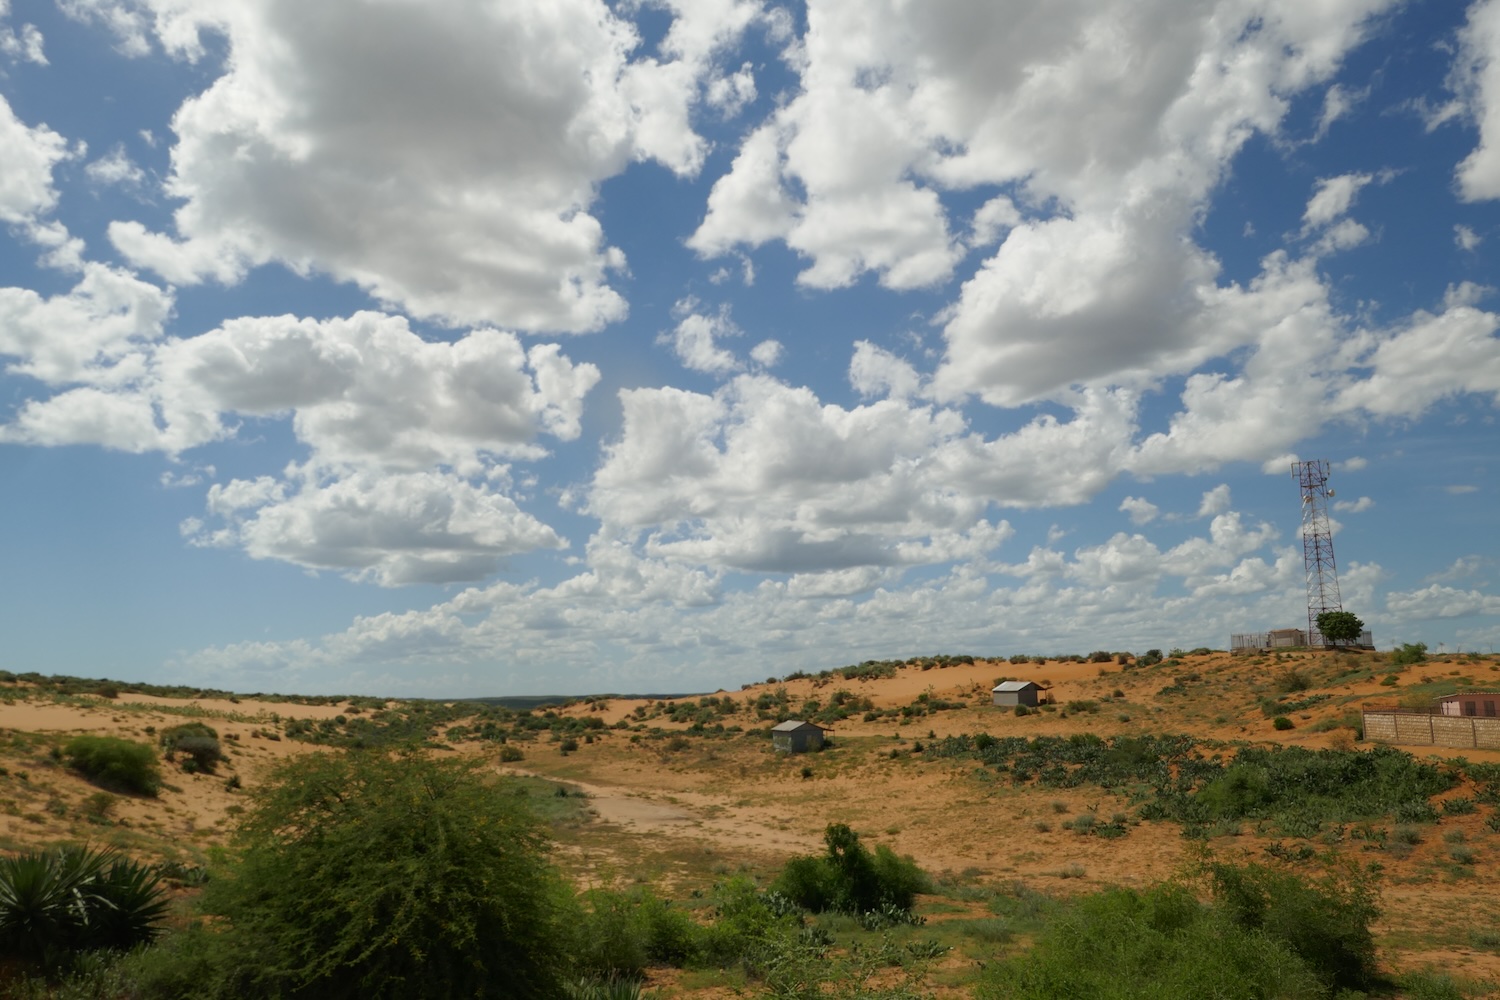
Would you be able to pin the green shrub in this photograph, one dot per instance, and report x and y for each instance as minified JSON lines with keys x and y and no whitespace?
{"x":1282,"y":723}
{"x":510,"y":754}
{"x":198,"y":741}
{"x":370,"y":875}
{"x":1292,"y":680}
{"x":1415,"y":811}
{"x":611,"y":941}
{"x":620,"y":934}
{"x":1430,"y":986}
{"x":747,"y":928}
{"x":1326,"y":922}
{"x":1237,"y":793}
{"x":899,"y":878}
{"x":117,"y":764}
{"x":1298,"y":788}
{"x":808,"y":882}
{"x":847,"y":878}
{"x":1161,"y":943}
{"x":1409,"y":652}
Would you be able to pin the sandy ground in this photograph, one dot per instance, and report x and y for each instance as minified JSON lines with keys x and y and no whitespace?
{"x":42,"y":802}
{"x":733,"y":801}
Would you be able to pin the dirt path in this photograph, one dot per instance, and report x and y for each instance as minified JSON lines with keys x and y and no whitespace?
{"x":690,"y":815}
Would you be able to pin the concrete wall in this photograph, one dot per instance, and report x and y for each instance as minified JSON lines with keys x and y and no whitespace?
{"x":1422,"y":729}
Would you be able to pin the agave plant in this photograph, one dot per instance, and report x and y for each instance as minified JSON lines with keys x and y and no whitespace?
{"x":58,"y":902}
{"x":611,"y":988}
{"x":131,"y":904}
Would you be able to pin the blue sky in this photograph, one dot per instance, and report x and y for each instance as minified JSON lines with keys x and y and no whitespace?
{"x":452,"y":349}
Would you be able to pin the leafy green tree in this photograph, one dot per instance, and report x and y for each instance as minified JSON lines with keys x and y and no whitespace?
{"x":373,"y":875}
{"x":1340,"y":627}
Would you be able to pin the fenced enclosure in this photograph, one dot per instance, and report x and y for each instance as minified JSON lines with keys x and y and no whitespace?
{"x":1288,"y":638}
{"x":1430,"y":728}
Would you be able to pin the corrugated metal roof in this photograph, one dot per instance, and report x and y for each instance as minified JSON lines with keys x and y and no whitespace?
{"x":1013,"y":686}
{"x":792,"y":724}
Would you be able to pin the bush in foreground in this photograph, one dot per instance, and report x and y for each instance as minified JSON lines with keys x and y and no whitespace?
{"x":57,"y":903}
{"x":1326,"y":921}
{"x":1268,"y":932}
{"x":376,"y":876}
{"x":1160,"y":944}
{"x":117,"y":764}
{"x":621,"y":934}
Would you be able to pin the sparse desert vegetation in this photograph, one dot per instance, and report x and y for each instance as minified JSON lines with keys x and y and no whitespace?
{"x":939,"y":846}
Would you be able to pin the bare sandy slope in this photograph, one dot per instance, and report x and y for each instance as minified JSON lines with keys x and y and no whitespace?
{"x":43,"y":802}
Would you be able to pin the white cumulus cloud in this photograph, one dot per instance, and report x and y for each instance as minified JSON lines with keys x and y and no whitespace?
{"x":1333,"y":198}
{"x":408,"y":441}
{"x":1476,"y":80}
{"x":417,"y":527}
{"x":444,"y":157}
{"x":1141,"y":511}
{"x":695,"y":339}
{"x":26,"y":189}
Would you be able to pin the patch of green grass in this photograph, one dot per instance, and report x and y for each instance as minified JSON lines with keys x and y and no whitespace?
{"x":987,"y":931}
{"x":554,"y":802}
{"x":1431,"y":985}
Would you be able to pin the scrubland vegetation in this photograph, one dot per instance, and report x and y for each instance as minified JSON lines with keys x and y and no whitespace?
{"x":380,"y":875}
{"x":396,"y":859}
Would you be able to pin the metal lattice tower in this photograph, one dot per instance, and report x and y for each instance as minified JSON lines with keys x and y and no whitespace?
{"x":1317,"y":545}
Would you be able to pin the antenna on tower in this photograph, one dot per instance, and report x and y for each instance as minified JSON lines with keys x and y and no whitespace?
{"x":1317,"y":545}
